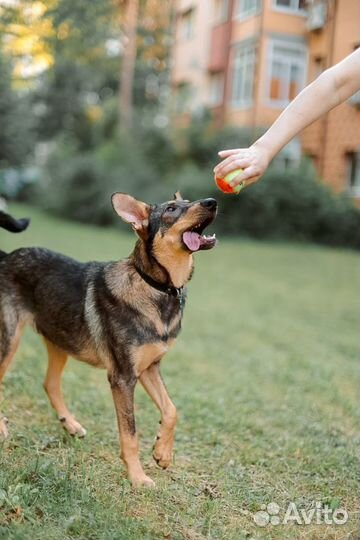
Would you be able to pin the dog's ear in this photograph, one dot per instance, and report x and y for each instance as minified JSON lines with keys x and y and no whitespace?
{"x":131,"y":210}
{"x":178,"y":196}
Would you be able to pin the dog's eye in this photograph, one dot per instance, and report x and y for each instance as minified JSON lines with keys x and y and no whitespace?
{"x":171,"y":209}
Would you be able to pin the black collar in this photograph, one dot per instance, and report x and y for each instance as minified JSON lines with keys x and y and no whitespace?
{"x":177,"y":292}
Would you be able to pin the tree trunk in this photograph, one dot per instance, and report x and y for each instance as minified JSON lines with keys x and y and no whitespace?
{"x":128,"y":64}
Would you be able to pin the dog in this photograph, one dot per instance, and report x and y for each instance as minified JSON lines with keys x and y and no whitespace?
{"x":120,"y":316}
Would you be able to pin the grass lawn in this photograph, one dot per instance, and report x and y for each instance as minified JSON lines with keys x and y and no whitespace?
{"x":265,"y":376}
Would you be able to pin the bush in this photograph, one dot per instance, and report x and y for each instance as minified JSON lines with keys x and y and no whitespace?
{"x":79,"y":185}
{"x":151,"y":165}
{"x":201,"y":140}
{"x":290,"y":205}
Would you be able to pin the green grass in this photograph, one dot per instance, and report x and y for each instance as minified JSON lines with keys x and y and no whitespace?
{"x":265,"y":376}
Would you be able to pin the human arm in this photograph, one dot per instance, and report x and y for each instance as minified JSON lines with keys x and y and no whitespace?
{"x":331,"y":88}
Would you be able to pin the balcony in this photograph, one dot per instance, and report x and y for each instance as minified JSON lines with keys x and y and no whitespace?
{"x":219,"y":47}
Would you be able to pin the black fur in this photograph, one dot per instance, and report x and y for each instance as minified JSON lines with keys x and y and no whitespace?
{"x":101,"y":313}
{"x":11,"y":224}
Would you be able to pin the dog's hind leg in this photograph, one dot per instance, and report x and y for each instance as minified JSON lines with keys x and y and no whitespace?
{"x":57,"y":360}
{"x":9,"y":341}
{"x":155,"y":387}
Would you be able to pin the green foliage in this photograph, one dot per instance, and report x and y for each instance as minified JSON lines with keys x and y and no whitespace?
{"x":293,"y":205}
{"x":265,"y":376}
{"x":152,"y":164}
{"x":79,"y":184}
{"x":83,"y":74}
{"x":289,"y":204}
{"x":201,"y":140}
{"x":16,"y":122}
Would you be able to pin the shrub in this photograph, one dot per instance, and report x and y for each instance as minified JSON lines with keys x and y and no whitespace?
{"x":290,"y":205}
{"x":151,"y":165}
{"x":79,"y":185}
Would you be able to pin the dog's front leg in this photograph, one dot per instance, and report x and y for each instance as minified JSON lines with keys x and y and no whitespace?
{"x":123,"y":396}
{"x":155,"y":387}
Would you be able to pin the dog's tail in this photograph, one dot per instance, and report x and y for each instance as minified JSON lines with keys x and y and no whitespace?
{"x":13,"y":225}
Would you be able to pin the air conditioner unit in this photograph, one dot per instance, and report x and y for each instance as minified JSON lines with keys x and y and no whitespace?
{"x":316,"y":16}
{"x":355,"y":99}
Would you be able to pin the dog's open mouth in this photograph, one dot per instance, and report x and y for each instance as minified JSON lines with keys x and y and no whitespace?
{"x":194,"y":240}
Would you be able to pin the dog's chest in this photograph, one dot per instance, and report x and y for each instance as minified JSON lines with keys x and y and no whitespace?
{"x":167,"y":321}
{"x":144,"y":356}
{"x":165,"y":330}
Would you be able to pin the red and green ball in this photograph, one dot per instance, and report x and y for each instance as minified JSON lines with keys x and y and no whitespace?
{"x":224,"y":183}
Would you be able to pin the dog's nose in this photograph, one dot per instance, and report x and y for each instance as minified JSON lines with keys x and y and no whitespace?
{"x":210,"y":204}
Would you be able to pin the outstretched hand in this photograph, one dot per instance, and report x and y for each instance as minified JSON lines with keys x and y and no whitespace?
{"x":253,"y":161}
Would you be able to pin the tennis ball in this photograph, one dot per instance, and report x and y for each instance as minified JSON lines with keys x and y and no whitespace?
{"x":224,"y":183}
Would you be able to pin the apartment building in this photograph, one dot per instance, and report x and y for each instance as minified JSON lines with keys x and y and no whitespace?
{"x":246,"y":59}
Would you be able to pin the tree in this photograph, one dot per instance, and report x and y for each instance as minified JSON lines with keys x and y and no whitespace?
{"x":128,"y":60}
{"x":16,"y":137}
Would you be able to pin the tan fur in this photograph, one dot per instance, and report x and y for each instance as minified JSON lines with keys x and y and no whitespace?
{"x":129,"y":443}
{"x":178,"y":263}
{"x":148,"y":354}
{"x":154,"y":385}
{"x":142,"y":300}
{"x":120,"y":289}
{"x":168,"y":248}
{"x":52,"y":384}
{"x":158,"y":263}
{"x":3,"y":368}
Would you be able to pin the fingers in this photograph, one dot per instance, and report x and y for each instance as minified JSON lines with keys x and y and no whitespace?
{"x":226,"y":153}
{"x":231,"y":163}
{"x":248,"y":176}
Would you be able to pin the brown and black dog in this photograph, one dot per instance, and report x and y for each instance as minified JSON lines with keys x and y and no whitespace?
{"x":122,"y":316}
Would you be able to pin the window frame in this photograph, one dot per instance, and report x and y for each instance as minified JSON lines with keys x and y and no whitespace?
{"x":291,"y":44}
{"x":223,"y":16}
{"x":184,"y":98}
{"x":244,"y":102}
{"x":185,"y":36}
{"x":353,"y":190}
{"x":289,"y":10}
{"x":220,"y":99}
{"x":289,"y":156}
{"x":243,"y":14}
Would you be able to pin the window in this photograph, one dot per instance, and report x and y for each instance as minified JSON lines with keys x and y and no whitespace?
{"x":247,"y":8}
{"x":216,"y":89}
{"x":289,"y":157}
{"x":295,"y":6}
{"x":353,"y":173}
{"x":243,"y":75}
{"x":184,"y":94}
{"x":287,"y":71}
{"x":221,"y":11}
{"x":187,"y":24}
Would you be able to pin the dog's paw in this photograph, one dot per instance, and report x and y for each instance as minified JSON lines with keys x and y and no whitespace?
{"x":72,"y":427}
{"x":4,"y":433}
{"x":162,"y":454}
{"x":142,"y":481}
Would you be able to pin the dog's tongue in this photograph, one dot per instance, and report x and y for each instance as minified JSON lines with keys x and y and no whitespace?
{"x":192,"y":240}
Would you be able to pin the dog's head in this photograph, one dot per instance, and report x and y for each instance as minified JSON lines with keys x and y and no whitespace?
{"x":172,"y":231}
{"x":177,"y":223}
